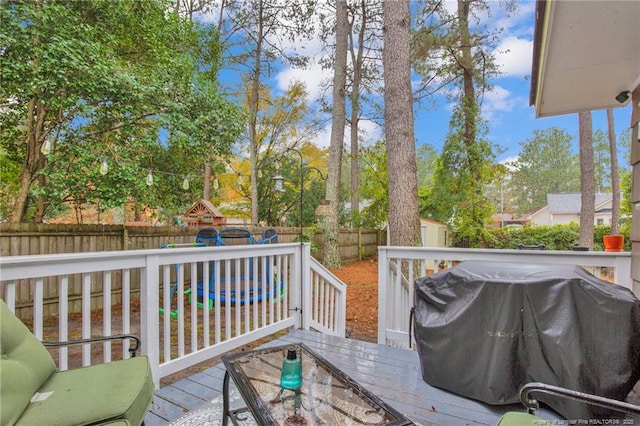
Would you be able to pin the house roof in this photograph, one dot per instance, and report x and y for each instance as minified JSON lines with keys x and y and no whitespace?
{"x":203,"y":206}
{"x":570,"y":203}
{"x":585,"y":53}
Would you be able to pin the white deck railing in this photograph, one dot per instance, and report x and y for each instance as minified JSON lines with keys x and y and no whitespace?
{"x":328,"y":301}
{"x":175,"y":332}
{"x":399,"y":267}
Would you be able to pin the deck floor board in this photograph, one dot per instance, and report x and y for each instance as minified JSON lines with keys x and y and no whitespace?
{"x":390,"y":373}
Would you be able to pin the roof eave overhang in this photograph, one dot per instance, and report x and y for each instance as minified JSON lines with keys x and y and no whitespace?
{"x":584,"y":55}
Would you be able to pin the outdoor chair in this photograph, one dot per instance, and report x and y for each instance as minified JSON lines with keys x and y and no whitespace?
{"x":34,"y":392}
{"x":269,"y":236}
{"x":515,"y":418}
{"x":208,"y":237}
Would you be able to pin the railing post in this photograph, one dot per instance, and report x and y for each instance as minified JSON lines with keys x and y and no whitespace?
{"x":149,"y":314}
{"x":296,"y":285}
{"x":622,"y":272}
{"x":383,"y":276}
{"x":10,"y":295}
{"x":305,"y":286}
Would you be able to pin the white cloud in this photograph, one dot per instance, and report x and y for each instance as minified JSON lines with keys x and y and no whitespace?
{"x":369,"y":132}
{"x":312,"y":77}
{"x":323,"y":138}
{"x":515,"y":22}
{"x":498,"y":99}
{"x":498,"y":102}
{"x":513,"y":56}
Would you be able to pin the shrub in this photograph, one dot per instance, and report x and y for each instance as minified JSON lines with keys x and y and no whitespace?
{"x":555,"y":237}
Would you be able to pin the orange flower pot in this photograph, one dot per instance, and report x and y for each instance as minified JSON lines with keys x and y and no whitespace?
{"x":613,"y":242}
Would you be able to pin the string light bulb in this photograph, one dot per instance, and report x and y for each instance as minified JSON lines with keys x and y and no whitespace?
{"x":104,"y":166}
{"x":45,"y":149}
{"x":185,"y":183}
{"x":149,"y":178}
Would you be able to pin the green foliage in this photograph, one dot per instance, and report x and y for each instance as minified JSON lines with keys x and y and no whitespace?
{"x":601,"y":161}
{"x":102,"y":78}
{"x":441,"y":38}
{"x":308,"y":236}
{"x":601,"y":230}
{"x":283,"y":122}
{"x":555,"y":237}
{"x":9,"y":177}
{"x":283,"y":208}
{"x":374,"y":185}
{"x":426,"y":158}
{"x":545,"y":165}
{"x":626,"y":206}
{"x":463,"y":170}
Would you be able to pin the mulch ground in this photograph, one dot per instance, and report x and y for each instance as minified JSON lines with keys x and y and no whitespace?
{"x":362,"y":298}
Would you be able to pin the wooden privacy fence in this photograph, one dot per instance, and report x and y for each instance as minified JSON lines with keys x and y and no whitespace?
{"x":41,"y":239}
{"x":27,"y":239}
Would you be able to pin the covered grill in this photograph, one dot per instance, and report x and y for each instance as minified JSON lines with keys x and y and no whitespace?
{"x":484,"y":329}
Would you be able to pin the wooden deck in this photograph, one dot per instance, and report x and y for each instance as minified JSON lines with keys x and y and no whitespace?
{"x":390,"y":373}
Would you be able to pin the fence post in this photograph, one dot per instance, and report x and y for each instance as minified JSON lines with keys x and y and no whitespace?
{"x":125,"y":237}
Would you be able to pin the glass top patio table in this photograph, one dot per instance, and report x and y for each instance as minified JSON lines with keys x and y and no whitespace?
{"x":327,"y":396}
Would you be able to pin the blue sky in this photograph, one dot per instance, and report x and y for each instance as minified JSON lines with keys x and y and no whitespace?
{"x":506,"y":108}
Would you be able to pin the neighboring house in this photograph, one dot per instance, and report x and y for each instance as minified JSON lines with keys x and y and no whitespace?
{"x":203,"y":213}
{"x":564,"y":208}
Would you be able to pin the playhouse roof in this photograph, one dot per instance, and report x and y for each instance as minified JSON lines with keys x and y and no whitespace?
{"x":203,"y":206}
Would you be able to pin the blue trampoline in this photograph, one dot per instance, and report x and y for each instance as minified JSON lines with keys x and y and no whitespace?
{"x":255,"y":294}
{"x":256,"y":281}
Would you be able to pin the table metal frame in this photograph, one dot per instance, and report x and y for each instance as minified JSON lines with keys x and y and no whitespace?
{"x":256,"y":406}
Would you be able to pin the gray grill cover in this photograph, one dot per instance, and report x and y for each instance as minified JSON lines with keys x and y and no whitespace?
{"x":484,"y":329}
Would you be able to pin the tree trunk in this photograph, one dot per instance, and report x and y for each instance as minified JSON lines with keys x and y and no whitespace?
{"x":331,"y":231}
{"x":34,"y":139}
{"x":466,"y":63}
{"x":357,"y":53}
{"x":587,"y":179}
{"x":253,"y":117}
{"x":615,"y":180}
{"x":19,"y":210}
{"x":38,"y":216}
{"x":206,"y":190}
{"x":404,"y":218}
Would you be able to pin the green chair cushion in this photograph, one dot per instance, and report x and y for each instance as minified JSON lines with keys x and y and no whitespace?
{"x":25,"y":364}
{"x":515,"y":418}
{"x":102,"y":393}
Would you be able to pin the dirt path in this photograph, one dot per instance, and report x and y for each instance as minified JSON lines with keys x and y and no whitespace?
{"x":362,"y":298}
